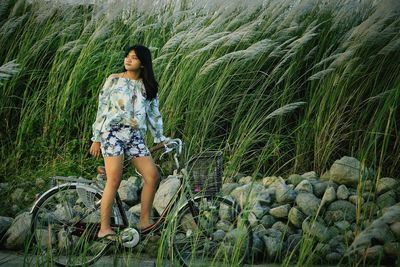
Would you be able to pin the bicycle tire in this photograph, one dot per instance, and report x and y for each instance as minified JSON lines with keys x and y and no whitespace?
{"x":55,"y":232}
{"x":198,"y":240}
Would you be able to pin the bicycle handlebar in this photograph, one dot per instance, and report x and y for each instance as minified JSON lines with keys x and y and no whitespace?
{"x":169,"y":145}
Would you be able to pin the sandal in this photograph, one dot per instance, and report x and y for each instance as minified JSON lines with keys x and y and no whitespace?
{"x":106,"y":239}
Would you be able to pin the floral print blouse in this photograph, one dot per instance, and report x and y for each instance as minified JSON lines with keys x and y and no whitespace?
{"x":123,"y":101}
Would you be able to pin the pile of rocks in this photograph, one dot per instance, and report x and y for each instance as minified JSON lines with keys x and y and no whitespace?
{"x":332,"y":210}
{"x":346,"y":214}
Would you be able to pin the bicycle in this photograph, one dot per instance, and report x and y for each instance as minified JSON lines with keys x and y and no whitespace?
{"x":207,"y":226}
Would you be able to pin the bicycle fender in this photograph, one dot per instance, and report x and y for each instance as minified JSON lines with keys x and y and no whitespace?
{"x":57,"y":187}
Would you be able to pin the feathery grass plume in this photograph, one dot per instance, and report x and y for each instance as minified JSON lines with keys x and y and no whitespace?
{"x":243,"y":34}
{"x":183,"y":25}
{"x":392,"y":46}
{"x":101,"y":33}
{"x":210,"y":46}
{"x":3,"y":9}
{"x":342,"y":58}
{"x":173,"y":42}
{"x":320,"y":74}
{"x":255,"y":50}
{"x":308,"y":36}
{"x":71,"y":30}
{"x":368,"y":33}
{"x":10,"y":26}
{"x":72,"y":47}
{"x":8,"y":69}
{"x":285,"y":109}
{"x":311,"y":53}
{"x":329,"y":58}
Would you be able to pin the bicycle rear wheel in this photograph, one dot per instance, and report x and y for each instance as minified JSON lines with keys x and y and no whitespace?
{"x":65,"y":225}
{"x":212,"y":231}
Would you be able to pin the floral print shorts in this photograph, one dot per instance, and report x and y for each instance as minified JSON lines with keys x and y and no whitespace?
{"x":123,"y":139}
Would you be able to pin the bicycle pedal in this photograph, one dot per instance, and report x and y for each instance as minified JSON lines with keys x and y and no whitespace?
{"x":131,"y":237}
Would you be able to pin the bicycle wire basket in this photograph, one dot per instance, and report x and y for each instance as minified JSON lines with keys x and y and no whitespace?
{"x":205,"y":172}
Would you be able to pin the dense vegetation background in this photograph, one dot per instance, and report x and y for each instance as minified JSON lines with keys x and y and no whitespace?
{"x":282,"y":86}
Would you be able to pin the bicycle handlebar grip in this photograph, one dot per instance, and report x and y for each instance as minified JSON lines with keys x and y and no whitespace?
{"x":157,"y":147}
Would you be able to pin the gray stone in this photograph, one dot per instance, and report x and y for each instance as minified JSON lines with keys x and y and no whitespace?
{"x":259,"y":210}
{"x":385,"y":184}
{"x":281,"y":211}
{"x":284,"y":194}
{"x":295,"y":179}
{"x":307,"y":203}
{"x":273,"y":233}
{"x":391,"y":214}
{"x":340,"y":210}
{"x":133,"y":219}
{"x":316,"y":229}
{"x":218,"y":235}
{"x":282,"y":227}
{"x":228,"y":187}
{"x":329,"y":196}
{"x":223,"y":225}
{"x":166,"y":190}
{"x":326,"y":176}
{"x":264,"y":198}
{"x":259,"y":230}
{"x":128,"y":192}
{"x":136,"y":210}
{"x":18,"y":232}
{"x":345,"y":171}
{"x":319,"y":187}
{"x":272,"y":181}
{"x":310,"y":175}
{"x":395,"y":227}
{"x":252,"y":218}
{"x":267,"y":221}
{"x":292,"y":242}
{"x":386,"y":199}
{"x":246,"y":194}
{"x":377,"y":232}
{"x":342,"y":192}
{"x":258,"y":246}
{"x":356,"y":200}
{"x":304,"y":186}
{"x":272,"y":245}
{"x":136,"y":181}
{"x":5,"y":223}
{"x":296,"y":217}
{"x":245,"y":180}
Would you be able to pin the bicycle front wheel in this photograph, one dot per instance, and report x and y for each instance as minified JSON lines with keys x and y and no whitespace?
{"x":211,"y":231}
{"x":65,"y":224}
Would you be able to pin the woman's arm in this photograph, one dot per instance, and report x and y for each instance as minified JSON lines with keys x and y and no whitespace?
{"x":101,"y":111}
{"x":154,"y":120}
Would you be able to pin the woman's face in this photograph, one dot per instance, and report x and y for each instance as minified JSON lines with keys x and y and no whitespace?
{"x":131,"y":62}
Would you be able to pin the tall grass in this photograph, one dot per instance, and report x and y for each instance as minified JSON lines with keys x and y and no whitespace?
{"x":281,"y":86}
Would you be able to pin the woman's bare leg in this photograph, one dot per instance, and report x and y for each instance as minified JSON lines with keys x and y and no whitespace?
{"x":147,"y":168}
{"x":113,"y":167}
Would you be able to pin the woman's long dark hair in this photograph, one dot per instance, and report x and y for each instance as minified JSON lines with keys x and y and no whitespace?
{"x":147,"y":74}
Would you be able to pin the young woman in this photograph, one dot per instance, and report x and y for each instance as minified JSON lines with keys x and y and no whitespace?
{"x":128,"y":103}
